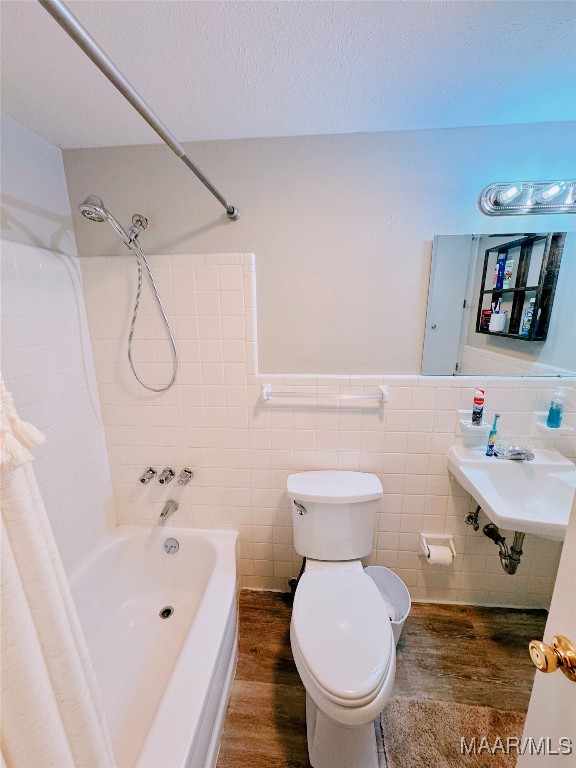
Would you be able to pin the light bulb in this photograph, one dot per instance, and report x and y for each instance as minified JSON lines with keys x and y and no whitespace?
{"x":550,"y":192}
{"x":505,"y":196}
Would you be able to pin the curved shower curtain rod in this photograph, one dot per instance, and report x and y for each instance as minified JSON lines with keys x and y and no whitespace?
{"x":78,"y":33}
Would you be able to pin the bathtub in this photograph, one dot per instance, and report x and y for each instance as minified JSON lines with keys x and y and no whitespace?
{"x":165,"y":682}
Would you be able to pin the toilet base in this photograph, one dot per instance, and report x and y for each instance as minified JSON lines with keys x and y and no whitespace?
{"x":331,"y":745}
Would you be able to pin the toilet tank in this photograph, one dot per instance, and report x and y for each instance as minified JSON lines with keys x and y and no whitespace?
{"x":333,"y":513}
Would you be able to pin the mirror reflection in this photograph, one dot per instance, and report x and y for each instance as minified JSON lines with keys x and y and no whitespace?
{"x":502,"y":305}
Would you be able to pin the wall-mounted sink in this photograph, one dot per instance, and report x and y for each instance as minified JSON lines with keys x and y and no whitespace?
{"x":529,"y":496}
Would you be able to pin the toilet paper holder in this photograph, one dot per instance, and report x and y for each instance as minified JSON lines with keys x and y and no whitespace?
{"x":437,"y":539}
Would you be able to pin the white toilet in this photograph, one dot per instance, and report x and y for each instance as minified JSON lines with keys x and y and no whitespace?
{"x":340,"y":632}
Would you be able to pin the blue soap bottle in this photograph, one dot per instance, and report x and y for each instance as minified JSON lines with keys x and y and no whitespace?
{"x":556,"y":412}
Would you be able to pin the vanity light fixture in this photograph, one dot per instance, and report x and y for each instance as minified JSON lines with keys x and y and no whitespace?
{"x":508,"y":194}
{"x":517,"y":198}
{"x":551,"y":192}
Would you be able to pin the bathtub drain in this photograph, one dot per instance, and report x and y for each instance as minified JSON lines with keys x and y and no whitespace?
{"x":166,"y":612}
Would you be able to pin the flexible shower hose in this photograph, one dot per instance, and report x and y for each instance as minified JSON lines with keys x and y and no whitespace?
{"x":141,"y":257}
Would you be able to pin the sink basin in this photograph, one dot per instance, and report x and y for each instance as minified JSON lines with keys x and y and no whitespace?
{"x":530,"y":496}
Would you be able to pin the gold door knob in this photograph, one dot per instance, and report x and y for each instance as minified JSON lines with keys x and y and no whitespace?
{"x":560,"y":655}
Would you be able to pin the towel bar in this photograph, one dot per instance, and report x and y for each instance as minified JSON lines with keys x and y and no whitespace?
{"x":268,"y":394}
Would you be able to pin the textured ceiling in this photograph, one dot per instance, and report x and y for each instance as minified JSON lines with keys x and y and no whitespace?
{"x":221,"y":70}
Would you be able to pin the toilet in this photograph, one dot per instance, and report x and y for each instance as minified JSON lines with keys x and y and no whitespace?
{"x":340,"y":632}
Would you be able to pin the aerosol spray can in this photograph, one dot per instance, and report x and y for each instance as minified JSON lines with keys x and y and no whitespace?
{"x":478,"y":407}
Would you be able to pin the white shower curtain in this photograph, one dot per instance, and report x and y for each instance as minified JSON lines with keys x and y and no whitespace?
{"x":51,"y":708}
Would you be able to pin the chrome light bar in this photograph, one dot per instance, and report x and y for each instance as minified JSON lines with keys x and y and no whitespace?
{"x":518,"y":198}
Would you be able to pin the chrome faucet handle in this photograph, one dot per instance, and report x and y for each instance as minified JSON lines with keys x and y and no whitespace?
{"x":518,"y":452}
{"x":501,"y":448}
{"x":524,"y":448}
{"x":148,"y":474}
{"x":185,"y":476}
{"x":166,"y":476}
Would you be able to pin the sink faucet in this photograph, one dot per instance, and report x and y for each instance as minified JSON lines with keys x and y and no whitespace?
{"x":517,"y":453}
{"x":169,"y":507}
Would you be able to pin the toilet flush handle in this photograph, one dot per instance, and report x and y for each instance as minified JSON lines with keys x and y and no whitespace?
{"x":300,"y":507}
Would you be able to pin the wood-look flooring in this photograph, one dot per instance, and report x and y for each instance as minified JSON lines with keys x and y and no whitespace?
{"x":454,"y":653}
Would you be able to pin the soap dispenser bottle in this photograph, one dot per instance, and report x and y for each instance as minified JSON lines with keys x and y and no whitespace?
{"x":556,"y":412}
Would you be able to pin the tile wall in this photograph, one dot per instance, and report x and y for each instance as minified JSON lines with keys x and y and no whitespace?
{"x":48,"y":367}
{"x":476,"y":359}
{"x":242,"y":449}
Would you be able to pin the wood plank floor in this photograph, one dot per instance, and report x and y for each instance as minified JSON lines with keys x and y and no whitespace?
{"x":453,"y":653}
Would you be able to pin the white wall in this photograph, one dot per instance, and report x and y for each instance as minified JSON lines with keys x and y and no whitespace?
{"x":342,"y":225}
{"x":476,"y":361}
{"x":46,"y":353}
{"x":34,"y":206}
{"x":242,"y":450}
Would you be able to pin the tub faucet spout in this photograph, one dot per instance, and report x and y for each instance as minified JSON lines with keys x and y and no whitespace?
{"x":169,"y":507}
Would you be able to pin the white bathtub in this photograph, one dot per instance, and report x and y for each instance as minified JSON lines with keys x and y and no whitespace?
{"x":165,"y":683}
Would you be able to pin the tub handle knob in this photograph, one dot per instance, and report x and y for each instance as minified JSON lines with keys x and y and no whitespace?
{"x":185,"y":476}
{"x":148,"y":474}
{"x":166,"y":476}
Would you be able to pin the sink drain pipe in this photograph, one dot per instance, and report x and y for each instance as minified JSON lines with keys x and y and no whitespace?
{"x":509,"y":557}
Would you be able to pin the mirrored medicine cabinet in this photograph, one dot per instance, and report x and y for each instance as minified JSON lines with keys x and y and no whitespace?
{"x":502,"y":305}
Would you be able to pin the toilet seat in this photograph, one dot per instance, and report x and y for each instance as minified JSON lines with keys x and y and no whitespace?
{"x":342,"y":638}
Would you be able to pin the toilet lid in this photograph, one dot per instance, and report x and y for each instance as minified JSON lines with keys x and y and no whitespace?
{"x":343,"y":632}
{"x":334,"y":486}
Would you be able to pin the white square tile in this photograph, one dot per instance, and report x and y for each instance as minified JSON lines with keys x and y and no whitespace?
{"x":185,"y":303}
{"x":444,"y":421}
{"x":234,"y":351}
{"x":209,"y":328}
{"x":399,"y":398}
{"x":423,"y":398}
{"x":207,"y":277}
{"x":447,"y":399}
{"x":231,"y":277}
{"x":211,"y":351}
{"x":232,"y":303}
{"x":394,"y":463}
{"x":417,"y":464}
{"x":208,"y":303}
{"x":184,"y":277}
{"x":419,"y":442}
{"x":397,"y":421}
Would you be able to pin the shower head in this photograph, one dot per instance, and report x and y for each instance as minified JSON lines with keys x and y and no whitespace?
{"x":93,"y":208}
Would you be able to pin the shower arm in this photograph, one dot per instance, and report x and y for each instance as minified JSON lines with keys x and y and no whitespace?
{"x":76,"y":31}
